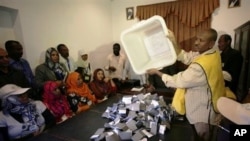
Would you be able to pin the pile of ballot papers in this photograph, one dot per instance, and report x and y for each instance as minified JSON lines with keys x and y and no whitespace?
{"x":135,"y":118}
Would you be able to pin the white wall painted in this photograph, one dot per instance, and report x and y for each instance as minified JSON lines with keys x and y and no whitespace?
{"x":77,"y":23}
{"x":90,"y":24}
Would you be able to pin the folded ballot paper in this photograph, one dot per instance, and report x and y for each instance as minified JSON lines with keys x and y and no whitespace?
{"x":134,"y":118}
{"x":147,"y":46}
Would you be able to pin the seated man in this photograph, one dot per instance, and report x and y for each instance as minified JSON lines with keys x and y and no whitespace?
{"x":10,"y":75}
{"x":15,"y":52}
{"x":65,"y":59}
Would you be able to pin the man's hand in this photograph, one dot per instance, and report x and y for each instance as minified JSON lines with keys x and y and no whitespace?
{"x":112,"y":69}
{"x":152,"y":71}
{"x":172,"y":38}
{"x":227,"y":76}
{"x":106,"y":79}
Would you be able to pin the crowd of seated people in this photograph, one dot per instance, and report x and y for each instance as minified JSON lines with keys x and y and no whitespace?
{"x":57,"y":92}
{"x":50,"y":92}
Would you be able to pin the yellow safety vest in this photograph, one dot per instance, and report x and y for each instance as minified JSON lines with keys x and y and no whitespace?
{"x":213,"y":71}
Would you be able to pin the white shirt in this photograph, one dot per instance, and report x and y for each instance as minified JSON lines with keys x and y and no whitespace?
{"x":197,"y":97}
{"x":70,"y":64}
{"x":118,"y":62}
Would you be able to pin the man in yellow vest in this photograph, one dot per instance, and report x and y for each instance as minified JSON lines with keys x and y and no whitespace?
{"x":200,"y":85}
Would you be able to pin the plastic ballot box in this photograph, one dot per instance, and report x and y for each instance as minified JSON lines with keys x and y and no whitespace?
{"x":147,"y":46}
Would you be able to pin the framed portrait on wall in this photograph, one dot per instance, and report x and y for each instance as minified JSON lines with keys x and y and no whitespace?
{"x":130,"y":13}
{"x":234,"y":3}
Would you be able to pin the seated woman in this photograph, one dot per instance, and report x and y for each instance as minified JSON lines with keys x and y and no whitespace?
{"x":83,"y":66}
{"x":56,"y":102}
{"x":102,"y":86}
{"x":22,"y":117}
{"x":78,"y":93}
{"x":50,"y":70}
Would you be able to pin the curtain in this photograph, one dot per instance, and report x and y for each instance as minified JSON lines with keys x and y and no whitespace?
{"x":185,"y":18}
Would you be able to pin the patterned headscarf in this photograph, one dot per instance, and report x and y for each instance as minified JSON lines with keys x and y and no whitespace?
{"x":55,"y":66}
{"x":25,"y":113}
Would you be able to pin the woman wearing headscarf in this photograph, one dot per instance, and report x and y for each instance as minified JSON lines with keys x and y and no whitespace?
{"x":50,"y":70}
{"x":102,"y":86}
{"x":83,"y":66}
{"x":22,"y":117}
{"x":79,"y":94}
{"x":56,"y":102}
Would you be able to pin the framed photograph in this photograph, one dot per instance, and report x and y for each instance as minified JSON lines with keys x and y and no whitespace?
{"x":234,"y":3}
{"x":130,"y":13}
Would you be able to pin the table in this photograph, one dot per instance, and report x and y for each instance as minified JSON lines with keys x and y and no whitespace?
{"x":82,"y":126}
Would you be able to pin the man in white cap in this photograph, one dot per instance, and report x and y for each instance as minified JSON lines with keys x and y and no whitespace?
{"x":21,"y":117}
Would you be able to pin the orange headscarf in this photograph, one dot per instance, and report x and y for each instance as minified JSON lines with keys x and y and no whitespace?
{"x":82,"y":90}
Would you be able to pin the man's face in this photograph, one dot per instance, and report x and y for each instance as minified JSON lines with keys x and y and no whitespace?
{"x":64,"y":51}
{"x":222,"y":44}
{"x":116,"y":50}
{"x":4,"y":58}
{"x":203,"y":42}
{"x":16,"y":52}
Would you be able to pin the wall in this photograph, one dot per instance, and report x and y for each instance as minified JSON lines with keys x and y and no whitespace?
{"x":224,"y":19}
{"x":77,"y":23}
{"x":90,"y":24}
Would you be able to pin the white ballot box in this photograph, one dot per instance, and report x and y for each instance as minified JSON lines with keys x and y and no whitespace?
{"x":147,"y":46}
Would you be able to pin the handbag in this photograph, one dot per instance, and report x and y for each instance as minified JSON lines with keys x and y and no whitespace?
{"x":86,"y":77}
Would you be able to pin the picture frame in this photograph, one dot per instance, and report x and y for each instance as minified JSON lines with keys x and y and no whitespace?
{"x":234,"y":3}
{"x":130,"y":13}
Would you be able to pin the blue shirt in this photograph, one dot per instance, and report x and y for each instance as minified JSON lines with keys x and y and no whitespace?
{"x":24,"y":66}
